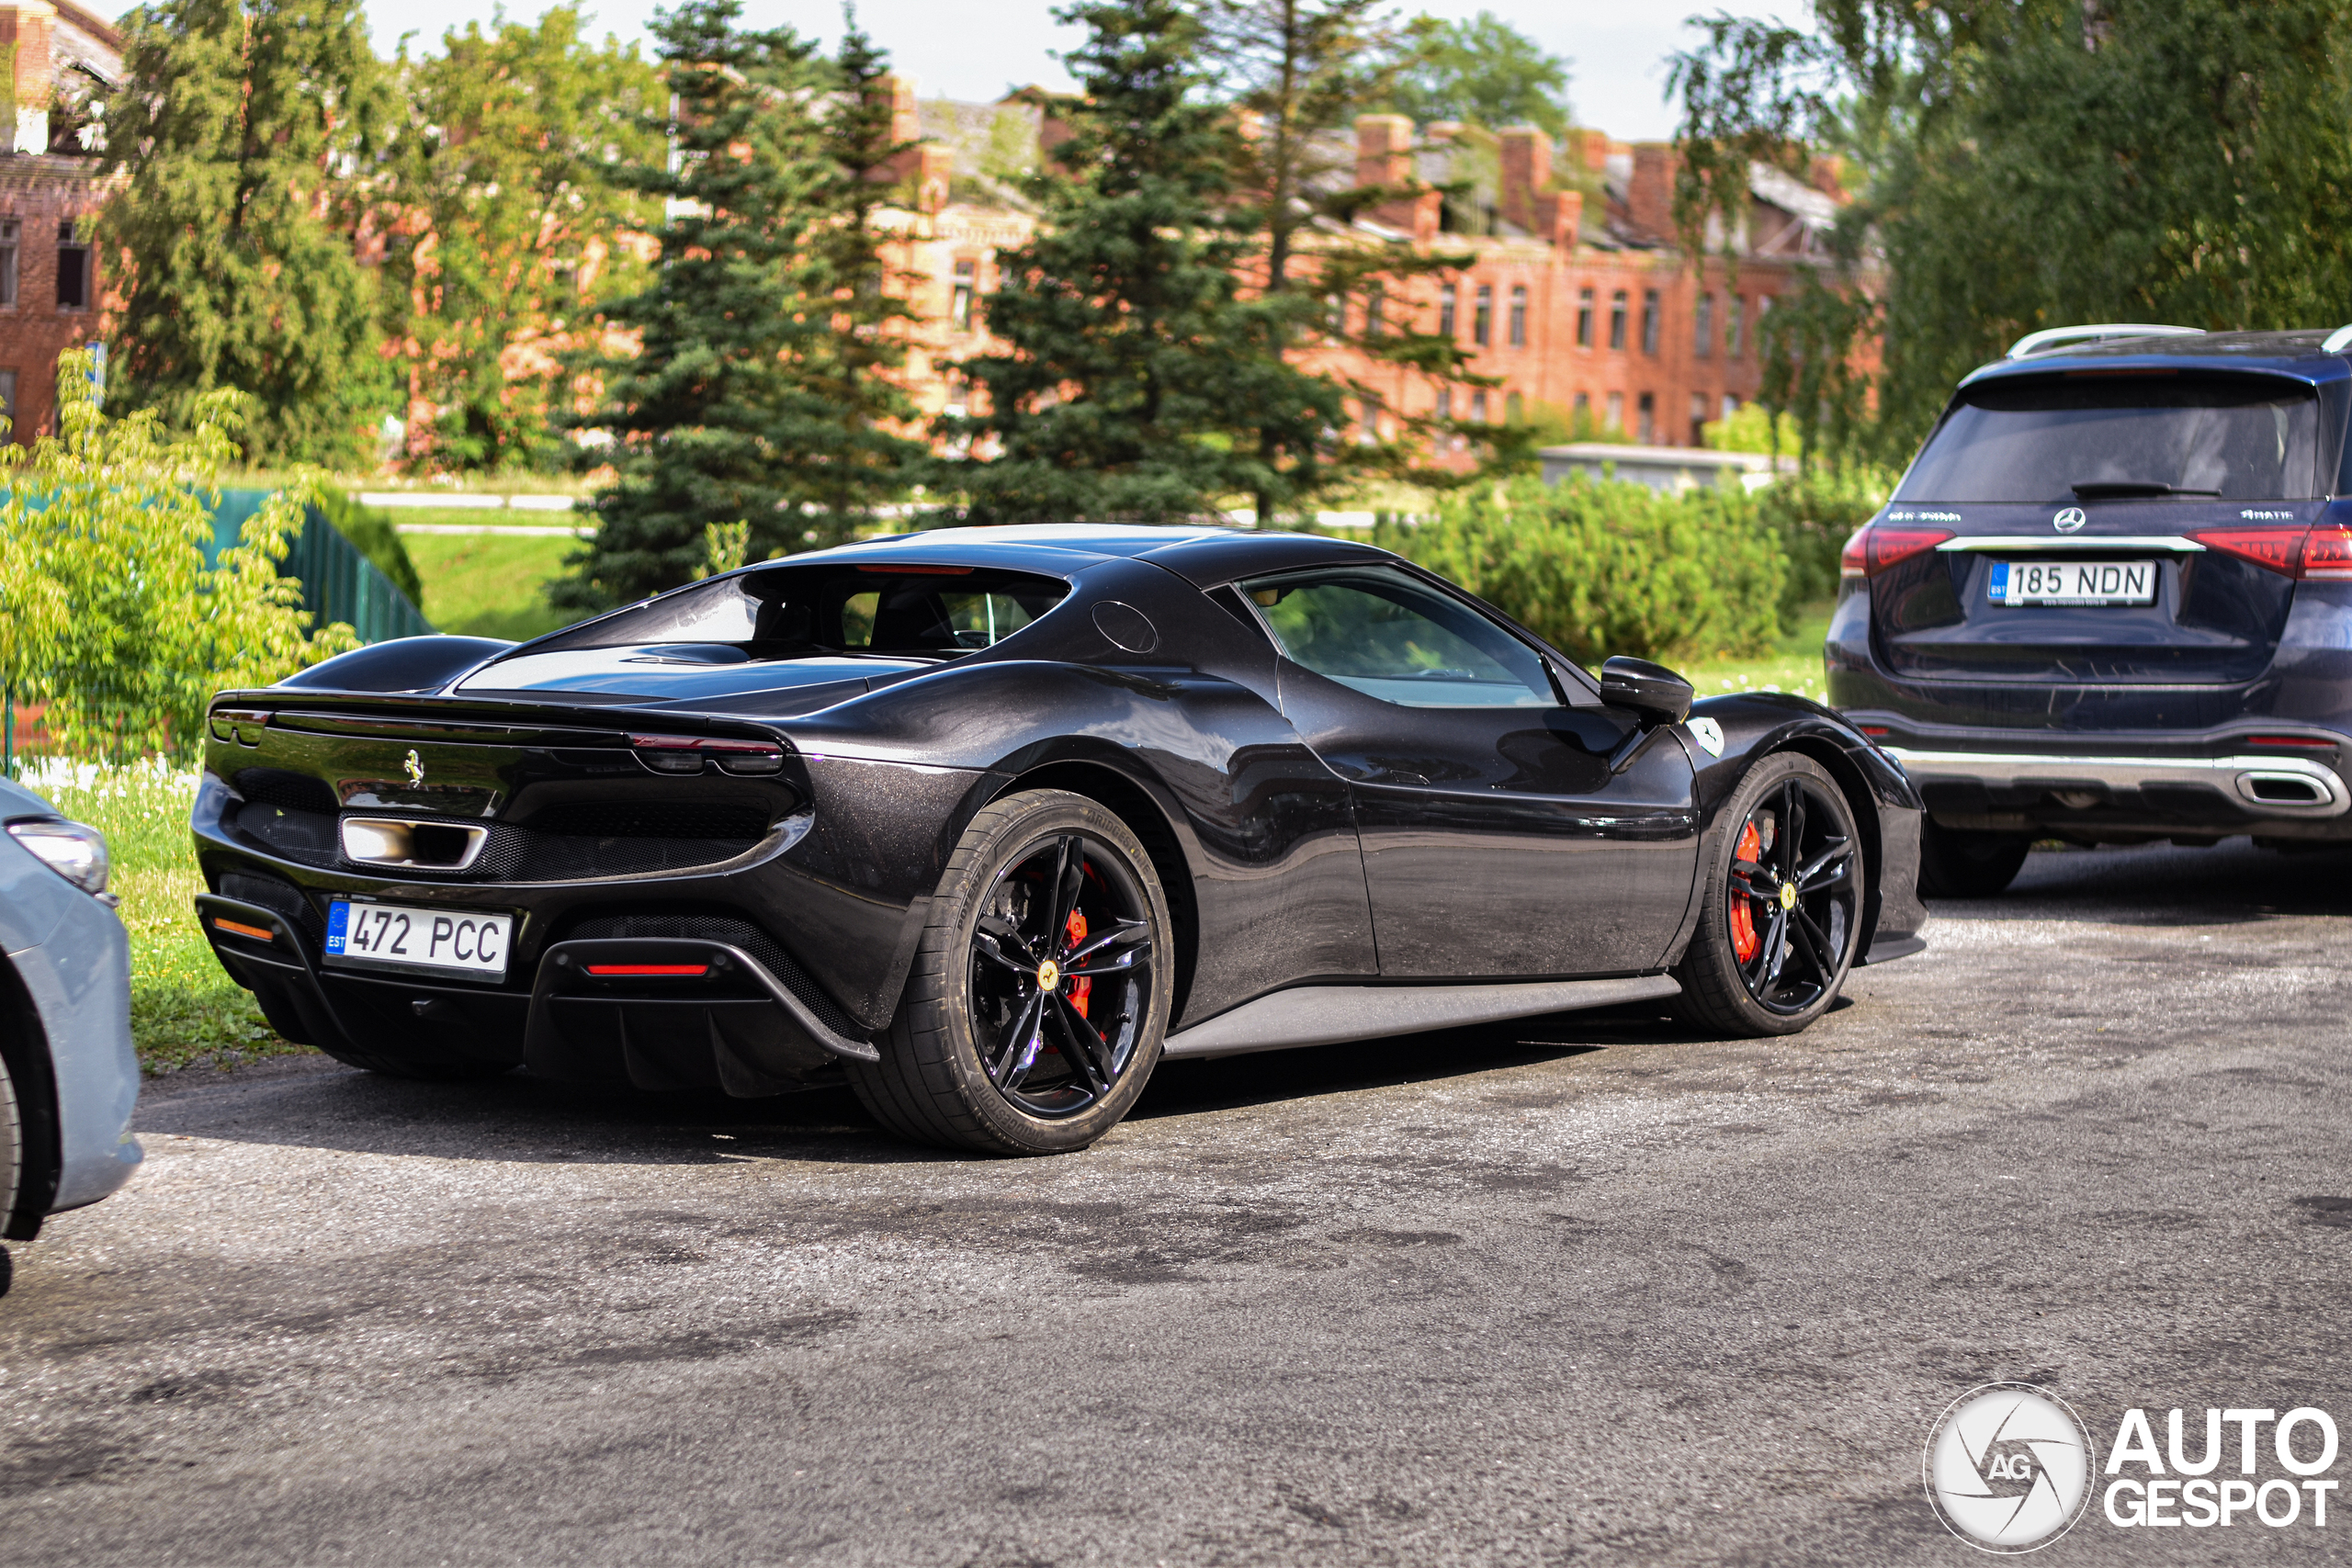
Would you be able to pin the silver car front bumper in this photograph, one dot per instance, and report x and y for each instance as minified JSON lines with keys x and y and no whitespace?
{"x":2285,"y":787}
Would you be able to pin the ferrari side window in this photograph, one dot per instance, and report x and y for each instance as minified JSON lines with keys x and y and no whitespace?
{"x":1389,"y":636}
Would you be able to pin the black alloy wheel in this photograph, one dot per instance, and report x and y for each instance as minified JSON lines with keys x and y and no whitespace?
{"x":1062,"y":975}
{"x":1781,"y":921}
{"x":1034,"y":1013}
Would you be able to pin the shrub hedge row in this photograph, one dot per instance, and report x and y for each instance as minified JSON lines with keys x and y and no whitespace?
{"x":1601,"y":567}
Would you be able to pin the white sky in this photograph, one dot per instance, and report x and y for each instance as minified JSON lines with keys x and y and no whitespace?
{"x":1617,"y":48}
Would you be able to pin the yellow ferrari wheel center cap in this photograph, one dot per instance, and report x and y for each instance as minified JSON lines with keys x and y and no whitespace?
{"x":1049,"y":974}
{"x":1788,"y":895}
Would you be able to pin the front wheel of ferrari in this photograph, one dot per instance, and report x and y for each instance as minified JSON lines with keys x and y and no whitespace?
{"x":1781,"y":917}
{"x":1033,"y":1016}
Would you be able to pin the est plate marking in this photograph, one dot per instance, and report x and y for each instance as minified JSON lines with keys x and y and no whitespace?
{"x":2074,"y":583}
{"x":403,"y":938}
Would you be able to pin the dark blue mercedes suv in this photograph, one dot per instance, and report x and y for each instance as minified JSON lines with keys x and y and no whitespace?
{"x":2111,"y":600}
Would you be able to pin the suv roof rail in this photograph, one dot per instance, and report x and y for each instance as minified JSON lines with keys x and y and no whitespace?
{"x":2337,"y":341}
{"x":2051,"y":337}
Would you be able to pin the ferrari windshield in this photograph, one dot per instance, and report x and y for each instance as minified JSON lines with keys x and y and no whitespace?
{"x":2058,"y":439}
{"x":787,"y":612}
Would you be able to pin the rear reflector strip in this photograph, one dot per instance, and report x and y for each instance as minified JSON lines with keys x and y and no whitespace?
{"x":648,"y":968}
{"x":238,"y":928}
{"x":2301,"y":742}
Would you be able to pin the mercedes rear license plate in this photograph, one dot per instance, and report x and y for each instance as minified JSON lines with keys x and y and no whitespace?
{"x":409,"y":941}
{"x":2074,"y":583}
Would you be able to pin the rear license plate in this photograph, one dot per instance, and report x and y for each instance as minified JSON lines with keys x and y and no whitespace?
{"x":2074,"y":583}
{"x":410,"y":941}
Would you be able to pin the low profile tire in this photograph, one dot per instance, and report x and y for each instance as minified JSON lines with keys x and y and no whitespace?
{"x":12,"y":1161}
{"x":425,"y":1072}
{"x":1781,"y":919}
{"x":1955,"y":862}
{"x":1034,"y":1013}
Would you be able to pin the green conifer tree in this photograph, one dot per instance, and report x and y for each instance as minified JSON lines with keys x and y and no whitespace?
{"x":1140,"y":381}
{"x":757,"y":394}
{"x":237,"y":129}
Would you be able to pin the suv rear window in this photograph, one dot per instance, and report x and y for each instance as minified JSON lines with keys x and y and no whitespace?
{"x":2035,"y":440}
{"x":788,"y":612}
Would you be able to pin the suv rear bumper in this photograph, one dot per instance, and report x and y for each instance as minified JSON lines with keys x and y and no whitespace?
{"x":2287,"y":787}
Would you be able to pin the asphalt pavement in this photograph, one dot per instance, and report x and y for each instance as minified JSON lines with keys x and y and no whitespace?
{"x":1584,"y":1289}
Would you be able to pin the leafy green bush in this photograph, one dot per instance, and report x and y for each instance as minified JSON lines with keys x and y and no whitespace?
{"x":1601,"y":567}
{"x":108,"y":613}
{"x":1812,"y":514}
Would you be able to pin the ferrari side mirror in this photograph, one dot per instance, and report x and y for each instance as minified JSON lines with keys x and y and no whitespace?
{"x":1653,"y":691}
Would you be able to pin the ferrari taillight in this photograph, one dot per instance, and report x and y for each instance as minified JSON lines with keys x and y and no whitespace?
{"x":684,"y":753}
{"x":1877,"y":546}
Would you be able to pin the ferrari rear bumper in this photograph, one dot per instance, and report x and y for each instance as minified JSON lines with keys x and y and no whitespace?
{"x":655,"y":1012}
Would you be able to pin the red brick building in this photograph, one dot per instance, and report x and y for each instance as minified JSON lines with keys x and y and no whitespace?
{"x":1575,"y":294}
{"x":50,"y":189}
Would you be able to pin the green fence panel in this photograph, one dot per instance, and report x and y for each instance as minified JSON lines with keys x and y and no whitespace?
{"x":338,"y":582}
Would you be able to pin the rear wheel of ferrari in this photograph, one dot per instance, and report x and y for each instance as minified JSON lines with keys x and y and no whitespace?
{"x":1033,"y":1017}
{"x":1781,"y":917}
{"x":1956,"y":863}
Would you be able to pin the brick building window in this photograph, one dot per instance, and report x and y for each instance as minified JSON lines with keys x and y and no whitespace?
{"x":1583,"y":414}
{"x":1446,"y":299}
{"x":1482,"y":322}
{"x":1445,"y":402}
{"x":1703,"y":326}
{"x":1617,"y":412}
{"x":8,"y":233}
{"x":1617,"y":319}
{"x":1731,"y":405}
{"x":8,"y":403}
{"x":1584,"y":318}
{"x":72,"y":270}
{"x":1645,"y":419}
{"x":1376,"y":304}
{"x":1514,"y":408}
{"x":1519,"y":316}
{"x":959,"y":308}
{"x":1478,"y":407}
{"x":1698,"y":419}
{"x":1650,"y":316}
{"x":1734,"y":320}
{"x":1763,"y":323}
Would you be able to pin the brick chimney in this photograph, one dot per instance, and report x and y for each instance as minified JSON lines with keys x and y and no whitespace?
{"x":1649,"y":199}
{"x":1385,"y":157}
{"x":1527,"y":169}
{"x":27,"y":25}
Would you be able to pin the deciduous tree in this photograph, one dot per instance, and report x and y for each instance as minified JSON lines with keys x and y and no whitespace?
{"x":504,"y":230}
{"x":236,"y":129}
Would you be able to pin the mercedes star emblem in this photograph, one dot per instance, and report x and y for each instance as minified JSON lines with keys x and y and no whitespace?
{"x":2066,"y":522}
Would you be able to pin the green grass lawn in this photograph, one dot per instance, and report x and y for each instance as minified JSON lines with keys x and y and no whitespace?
{"x":184,"y":1011}
{"x":489,"y":584}
{"x":1794,"y":666}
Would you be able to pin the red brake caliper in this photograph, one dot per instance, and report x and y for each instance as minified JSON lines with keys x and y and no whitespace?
{"x":1743,"y":919}
{"x":1080,"y":990}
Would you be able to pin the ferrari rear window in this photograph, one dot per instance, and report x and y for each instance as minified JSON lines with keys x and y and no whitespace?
{"x":790,"y":611}
{"x":2055,"y":440}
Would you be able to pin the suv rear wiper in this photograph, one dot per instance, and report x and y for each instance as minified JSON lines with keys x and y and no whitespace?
{"x":2107,"y":489}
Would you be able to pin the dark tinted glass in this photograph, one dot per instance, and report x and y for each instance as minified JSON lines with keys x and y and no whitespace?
{"x":2235,"y":437}
{"x":787,"y":611}
{"x":1392,"y":638}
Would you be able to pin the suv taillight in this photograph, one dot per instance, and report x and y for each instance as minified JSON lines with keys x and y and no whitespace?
{"x":1875,"y":546}
{"x":2323,"y":553}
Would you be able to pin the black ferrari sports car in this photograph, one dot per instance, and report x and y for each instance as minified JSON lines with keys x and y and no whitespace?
{"x":988,"y":822}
